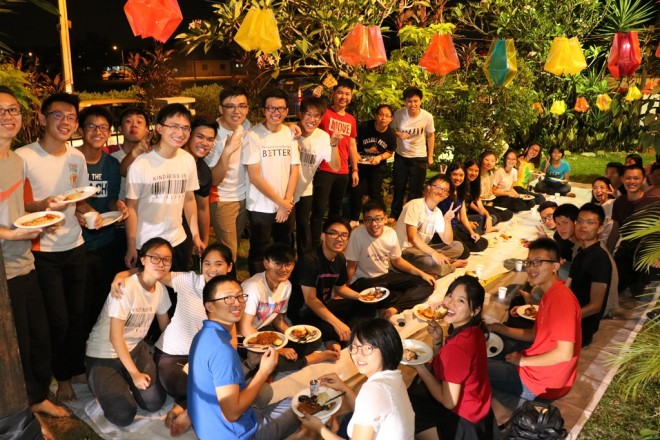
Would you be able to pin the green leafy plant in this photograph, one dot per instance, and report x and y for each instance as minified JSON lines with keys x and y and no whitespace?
{"x":153,"y":75}
{"x":207,"y":98}
{"x":627,"y":16}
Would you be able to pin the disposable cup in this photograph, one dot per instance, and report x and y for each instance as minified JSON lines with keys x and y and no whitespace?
{"x":519,"y":265}
{"x":90,"y":219}
{"x":501,"y":292}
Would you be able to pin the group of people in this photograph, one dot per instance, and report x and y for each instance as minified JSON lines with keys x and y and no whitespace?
{"x":285,"y":179}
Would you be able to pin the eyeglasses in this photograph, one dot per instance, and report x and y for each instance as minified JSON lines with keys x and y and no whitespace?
{"x":155,"y":259}
{"x":547,"y":218}
{"x":58,"y":116}
{"x":581,"y":221}
{"x":287,"y":266}
{"x":377,"y":220}
{"x":537,"y":262}
{"x":177,"y":127}
{"x":382,"y":115}
{"x":101,"y":128}
{"x":13,"y":111}
{"x":440,"y":188}
{"x":229,"y":300}
{"x":365,"y":349}
{"x":335,"y":235}
{"x":234,"y":107}
{"x":275,"y":109}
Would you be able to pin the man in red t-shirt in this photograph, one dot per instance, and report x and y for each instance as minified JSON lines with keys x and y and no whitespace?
{"x":548,"y":368}
{"x":329,"y":186}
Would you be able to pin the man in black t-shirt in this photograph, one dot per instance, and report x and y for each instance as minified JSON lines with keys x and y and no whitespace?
{"x":564,"y":217}
{"x":591,"y":270}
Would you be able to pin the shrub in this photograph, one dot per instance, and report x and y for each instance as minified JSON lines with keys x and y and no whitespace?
{"x":206,"y":98}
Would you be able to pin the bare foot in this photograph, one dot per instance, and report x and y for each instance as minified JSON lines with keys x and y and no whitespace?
{"x":321,"y":356}
{"x":48,"y":407}
{"x":80,"y":378}
{"x":459,"y":263}
{"x":45,"y":429}
{"x":181,"y":424}
{"x":173,"y":414}
{"x":334,"y":346}
{"x":65,"y":391}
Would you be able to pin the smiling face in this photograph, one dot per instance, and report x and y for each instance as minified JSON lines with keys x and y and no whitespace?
{"x":437,"y":192}
{"x":95,"y":131}
{"x":413,"y":105}
{"x":367,"y":365}
{"x":214,"y":265}
{"x":547,"y":218}
{"x":599,"y":190}
{"x":633,"y":181}
{"x":533,"y":151}
{"x":233,"y":111}
{"x":174,"y":131}
{"x":201,"y":141}
{"x":374,"y":222}
{"x":277,"y":273}
{"x":9,"y":125}
{"x":275,"y":111}
{"x":341,"y":97}
{"x":310,"y":120}
{"x":134,"y":128}
{"x":226,"y":314}
{"x":60,"y":121}
{"x":556,"y":155}
{"x":543,"y":275}
{"x":457,"y":303}
{"x":510,"y":161}
{"x":335,"y":238}
{"x":565,"y":227}
{"x":472,"y":172}
{"x":488,"y":162}
{"x":457,"y":177}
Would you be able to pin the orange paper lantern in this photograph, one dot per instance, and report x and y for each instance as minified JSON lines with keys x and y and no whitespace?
{"x":363,"y":45}
{"x":153,"y":18}
{"x":565,"y":57}
{"x":657,"y":51}
{"x":581,"y":105}
{"x":603,"y":102}
{"x":538,"y":107}
{"x":625,"y":56}
{"x":440,"y":57}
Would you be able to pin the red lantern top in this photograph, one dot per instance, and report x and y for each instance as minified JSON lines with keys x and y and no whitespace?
{"x":625,"y":56}
{"x":440,"y":57}
{"x":153,"y":18}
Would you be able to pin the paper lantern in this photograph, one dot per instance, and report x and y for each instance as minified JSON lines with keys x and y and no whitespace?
{"x":565,"y":57}
{"x":153,"y":18}
{"x":500,"y":66}
{"x":440,"y":57}
{"x":259,"y":31}
{"x":633,"y":94}
{"x":363,"y":45}
{"x":603,"y":102}
{"x":625,"y":56}
{"x":538,"y":107}
{"x":581,"y":105}
{"x":648,"y":88}
{"x":558,"y":107}
{"x":657,"y":51}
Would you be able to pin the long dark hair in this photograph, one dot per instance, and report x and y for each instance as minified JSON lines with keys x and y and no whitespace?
{"x":476,"y":296}
{"x":474,"y":187}
{"x":537,"y":160}
{"x":606,"y":181}
{"x":462,"y":189}
{"x":224,"y":252}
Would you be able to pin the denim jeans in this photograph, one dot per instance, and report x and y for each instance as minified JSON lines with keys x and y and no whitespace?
{"x":504,"y":377}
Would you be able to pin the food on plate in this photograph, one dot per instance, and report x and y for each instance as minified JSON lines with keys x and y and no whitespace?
{"x":38,"y":221}
{"x":530,"y":312}
{"x":313,"y":405}
{"x":525,"y":242}
{"x":410,"y":355}
{"x":266,"y":338}
{"x":373,"y":295}
{"x":303,"y":333}
{"x":486,"y":196}
{"x":430,"y":313}
{"x":73,"y":196}
{"x":505,"y":237}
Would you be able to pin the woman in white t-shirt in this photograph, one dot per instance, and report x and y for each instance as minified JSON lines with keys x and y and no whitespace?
{"x":503,"y":181}
{"x":382,"y":409}
{"x":120,"y":370}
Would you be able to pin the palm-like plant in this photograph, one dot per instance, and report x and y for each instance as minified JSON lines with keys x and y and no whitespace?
{"x":5,"y":8}
{"x":644,"y":225}
{"x":627,"y":16}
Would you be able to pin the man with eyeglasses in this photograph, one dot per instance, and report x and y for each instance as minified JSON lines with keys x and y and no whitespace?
{"x":371,"y":255}
{"x":227,"y":199}
{"x":220,"y":402}
{"x":547,"y":226}
{"x":104,"y":259}
{"x":315,"y":147}
{"x":160,"y":186}
{"x":272,"y":159}
{"x":548,"y":368}
{"x":268,"y":299}
{"x":591,"y":273}
{"x":52,"y":168}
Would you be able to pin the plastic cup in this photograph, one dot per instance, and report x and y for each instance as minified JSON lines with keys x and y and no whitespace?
{"x":519,"y":265}
{"x":408,"y":315}
{"x":479,"y":271}
{"x":501,"y":292}
{"x":90,"y":219}
{"x":557,"y":195}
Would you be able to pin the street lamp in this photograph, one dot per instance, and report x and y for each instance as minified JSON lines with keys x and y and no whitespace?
{"x":115,"y":48}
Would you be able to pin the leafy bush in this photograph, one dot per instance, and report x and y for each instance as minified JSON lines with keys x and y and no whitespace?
{"x":206,"y":98}
{"x":132,"y":93}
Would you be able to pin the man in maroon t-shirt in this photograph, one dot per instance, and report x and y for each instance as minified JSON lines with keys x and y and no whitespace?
{"x":330,"y":186}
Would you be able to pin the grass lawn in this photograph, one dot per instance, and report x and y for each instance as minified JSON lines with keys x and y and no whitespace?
{"x":586,"y":169}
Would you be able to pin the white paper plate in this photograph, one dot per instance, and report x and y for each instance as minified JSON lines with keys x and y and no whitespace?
{"x":371,"y":289}
{"x":310,"y":328}
{"x":521,"y":311}
{"x":494,"y":345}
{"x":487,"y":199}
{"x":261,"y":349}
{"x":417,"y":311}
{"x":526,"y":197}
{"x":323,"y":415}
{"x":78,"y":194}
{"x":423,"y":351}
{"x":20,"y":222}
{"x":110,"y":218}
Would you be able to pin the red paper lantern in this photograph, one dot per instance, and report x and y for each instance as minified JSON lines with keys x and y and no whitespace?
{"x":363,"y":45}
{"x":657,"y":51}
{"x":625,"y":56}
{"x":440,"y":57}
{"x":153,"y":18}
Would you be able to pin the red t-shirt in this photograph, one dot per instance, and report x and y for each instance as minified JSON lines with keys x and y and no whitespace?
{"x":463,"y":361}
{"x":345,"y":124}
{"x":559,"y":319}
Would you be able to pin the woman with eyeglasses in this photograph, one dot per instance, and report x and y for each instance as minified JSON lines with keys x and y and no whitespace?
{"x":121,"y":373}
{"x":382,"y":409}
{"x":420,"y":220}
{"x":454,"y":394}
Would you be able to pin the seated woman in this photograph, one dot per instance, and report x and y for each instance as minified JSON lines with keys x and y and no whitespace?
{"x":376,"y":143}
{"x":466,"y":231}
{"x":503,"y":181}
{"x":120,"y":370}
{"x":557,"y":173}
{"x":486,"y":164}
{"x":420,"y":220}
{"x":382,"y":409}
{"x":529,"y":161}
{"x":454,"y":396}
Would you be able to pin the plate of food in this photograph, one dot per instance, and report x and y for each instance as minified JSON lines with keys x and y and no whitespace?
{"x":323,"y":405}
{"x":426,"y":312}
{"x":78,"y":194}
{"x":528,"y":311}
{"x":303,"y":334}
{"x":487,"y":197}
{"x":41,"y":219}
{"x":260,"y":341}
{"x":416,"y":352}
{"x":373,"y":294}
{"x":494,"y":344}
{"x":110,"y":218}
{"x":526,"y":197}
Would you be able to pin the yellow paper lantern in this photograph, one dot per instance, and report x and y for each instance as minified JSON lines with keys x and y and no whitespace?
{"x":633,"y":94}
{"x":558,"y":107}
{"x":603,"y":102}
{"x":565,"y":57}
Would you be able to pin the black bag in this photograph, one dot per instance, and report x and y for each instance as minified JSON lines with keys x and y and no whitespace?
{"x":535,"y":420}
